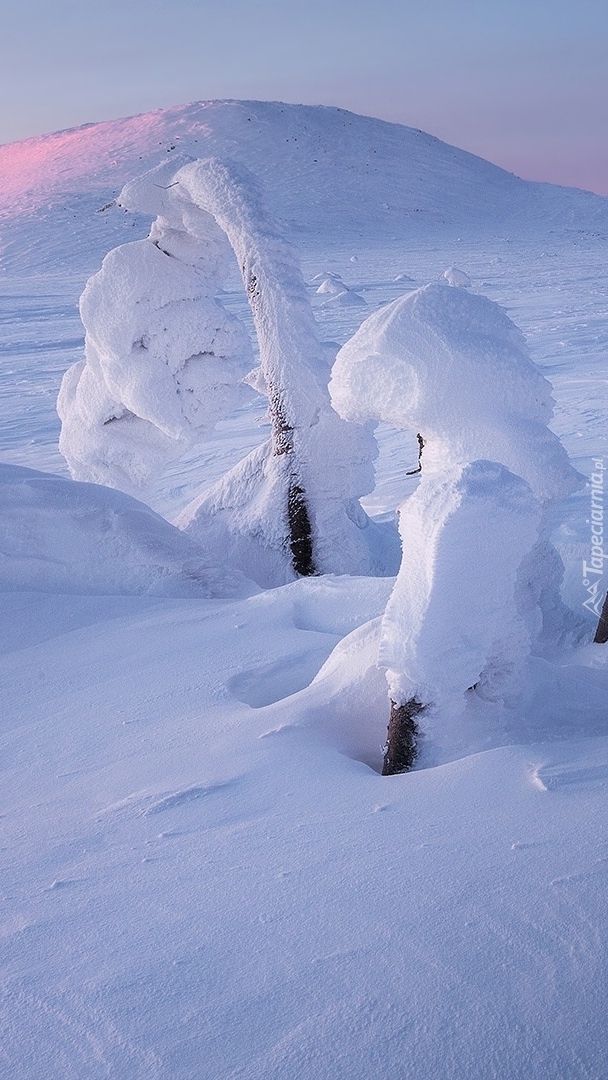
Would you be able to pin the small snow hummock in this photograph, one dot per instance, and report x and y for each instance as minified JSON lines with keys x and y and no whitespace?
{"x":332,"y":286}
{"x":345,"y":298}
{"x":456,"y":277}
{"x":338,"y":293}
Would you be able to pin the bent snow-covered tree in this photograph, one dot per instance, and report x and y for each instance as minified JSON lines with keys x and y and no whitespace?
{"x":291,"y":508}
{"x":479,"y":579}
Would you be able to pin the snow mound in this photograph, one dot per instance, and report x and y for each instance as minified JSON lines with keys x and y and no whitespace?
{"x":346,"y":298}
{"x":339,"y":294}
{"x":243,"y":516}
{"x":332,"y":285}
{"x":346,"y":703}
{"x":61,"y":536}
{"x":456,"y":277}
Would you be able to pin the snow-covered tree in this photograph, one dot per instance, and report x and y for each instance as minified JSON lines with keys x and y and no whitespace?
{"x":291,"y":508}
{"x":478,"y":575}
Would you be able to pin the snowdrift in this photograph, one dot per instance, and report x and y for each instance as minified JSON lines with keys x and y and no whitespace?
{"x":62,"y":536}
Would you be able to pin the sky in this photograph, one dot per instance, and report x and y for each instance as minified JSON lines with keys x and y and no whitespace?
{"x":523,"y":83}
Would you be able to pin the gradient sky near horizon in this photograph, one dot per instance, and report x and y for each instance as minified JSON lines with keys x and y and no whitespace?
{"x":523,"y":83}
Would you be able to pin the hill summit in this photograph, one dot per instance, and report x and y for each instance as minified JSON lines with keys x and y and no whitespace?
{"x":328,"y":173}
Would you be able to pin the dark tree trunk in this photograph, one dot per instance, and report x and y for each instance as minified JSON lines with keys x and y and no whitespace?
{"x":300,"y":532}
{"x":298,"y":516}
{"x":601,"y":634}
{"x":401,"y":738}
{"x":421,"y":445}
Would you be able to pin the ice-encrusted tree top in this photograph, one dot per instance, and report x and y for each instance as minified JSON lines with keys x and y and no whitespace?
{"x":202,"y":200}
{"x":164,"y":360}
{"x":451,"y":365}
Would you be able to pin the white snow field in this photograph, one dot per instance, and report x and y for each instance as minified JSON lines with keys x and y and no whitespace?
{"x":204,"y":874}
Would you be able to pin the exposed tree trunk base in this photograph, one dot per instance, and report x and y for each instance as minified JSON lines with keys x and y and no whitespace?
{"x":601,"y":634}
{"x":403,"y":731}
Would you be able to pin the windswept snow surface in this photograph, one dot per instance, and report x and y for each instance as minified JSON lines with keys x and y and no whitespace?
{"x":204,"y":876}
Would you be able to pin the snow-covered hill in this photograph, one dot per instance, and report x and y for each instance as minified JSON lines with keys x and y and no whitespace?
{"x":327,"y":173}
{"x":204,"y":875}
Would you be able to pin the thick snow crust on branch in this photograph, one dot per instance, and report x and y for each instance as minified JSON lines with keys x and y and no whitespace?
{"x":452,"y":365}
{"x":164,"y":361}
{"x":313,"y":450}
{"x":204,"y":195}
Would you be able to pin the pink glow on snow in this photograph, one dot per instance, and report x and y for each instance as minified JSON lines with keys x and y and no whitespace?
{"x":101,"y":152}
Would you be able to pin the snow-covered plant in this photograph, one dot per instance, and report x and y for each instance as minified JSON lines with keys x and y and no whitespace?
{"x":477,"y":573}
{"x":291,"y":508}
